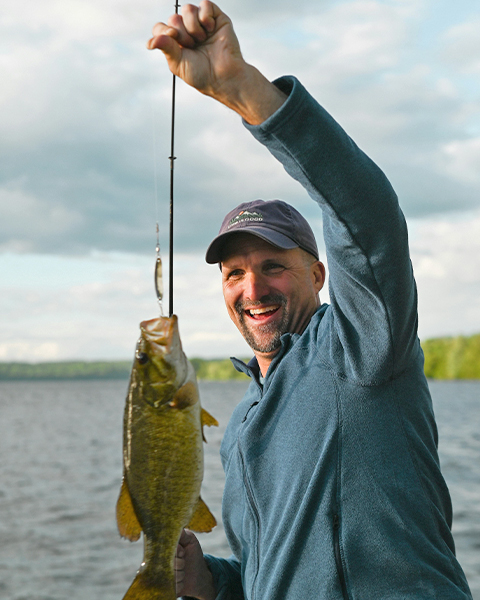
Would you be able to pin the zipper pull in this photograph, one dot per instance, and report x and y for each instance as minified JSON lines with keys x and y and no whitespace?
{"x":249,"y":409}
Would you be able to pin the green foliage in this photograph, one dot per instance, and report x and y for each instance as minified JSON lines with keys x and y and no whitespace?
{"x":452,"y":358}
{"x":216,"y":370}
{"x":445,"y":358}
{"x":205,"y":369}
{"x":65,"y":370}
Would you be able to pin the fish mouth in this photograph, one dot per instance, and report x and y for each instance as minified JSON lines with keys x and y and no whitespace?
{"x":160,"y":345}
{"x":160,"y":340}
{"x":160,"y":332}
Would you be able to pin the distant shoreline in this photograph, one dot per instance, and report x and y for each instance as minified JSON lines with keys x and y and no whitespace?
{"x":446,"y":358}
{"x":213,"y":370}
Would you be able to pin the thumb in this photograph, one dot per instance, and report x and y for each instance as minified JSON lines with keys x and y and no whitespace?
{"x":187,"y":538}
{"x":170,"y":48}
{"x":167,"y":44}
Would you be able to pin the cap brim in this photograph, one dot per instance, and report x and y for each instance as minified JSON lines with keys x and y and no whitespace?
{"x":214,"y":251}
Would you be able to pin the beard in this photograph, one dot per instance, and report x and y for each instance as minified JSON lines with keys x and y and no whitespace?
{"x":263,"y":338}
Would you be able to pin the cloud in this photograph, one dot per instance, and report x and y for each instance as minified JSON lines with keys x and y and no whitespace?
{"x":81,"y":98}
{"x":82,"y":101}
{"x":22,"y":211}
{"x":462,"y":160}
{"x":92,"y":306}
{"x":446,"y":260}
{"x":462,"y":46}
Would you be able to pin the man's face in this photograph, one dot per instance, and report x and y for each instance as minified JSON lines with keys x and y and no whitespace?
{"x":269,"y":291}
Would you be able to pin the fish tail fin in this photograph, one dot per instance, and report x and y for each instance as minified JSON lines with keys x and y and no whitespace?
{"x":143,"y":589}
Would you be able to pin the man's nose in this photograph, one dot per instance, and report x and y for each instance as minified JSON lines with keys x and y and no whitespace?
{"x":256,"y":287}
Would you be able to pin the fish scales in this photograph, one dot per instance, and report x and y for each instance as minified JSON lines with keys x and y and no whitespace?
{"x":163,"y":457}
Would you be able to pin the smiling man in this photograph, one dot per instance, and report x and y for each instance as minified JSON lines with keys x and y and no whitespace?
{"x":270,"y":272}
{"x":333,"y":489}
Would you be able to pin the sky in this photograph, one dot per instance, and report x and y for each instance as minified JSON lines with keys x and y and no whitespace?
{"x":84,"y":170}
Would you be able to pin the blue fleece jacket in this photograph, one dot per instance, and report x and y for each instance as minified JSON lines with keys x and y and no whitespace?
{"x":333,"y":486}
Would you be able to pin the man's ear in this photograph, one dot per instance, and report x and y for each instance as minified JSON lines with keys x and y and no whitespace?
{"x":317,"y":271}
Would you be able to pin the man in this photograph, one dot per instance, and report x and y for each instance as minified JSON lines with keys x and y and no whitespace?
{"x":333,"y":487}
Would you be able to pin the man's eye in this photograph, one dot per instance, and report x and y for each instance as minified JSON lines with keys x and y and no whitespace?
{"x":235,"y":274}
{"x":274,"y":268}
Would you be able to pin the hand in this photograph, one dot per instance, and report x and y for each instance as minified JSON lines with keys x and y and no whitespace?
{"x":193,"y":577}
{"x":201,"y":48}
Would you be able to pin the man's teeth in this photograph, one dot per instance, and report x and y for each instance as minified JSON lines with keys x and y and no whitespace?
{"x":262,"y":310}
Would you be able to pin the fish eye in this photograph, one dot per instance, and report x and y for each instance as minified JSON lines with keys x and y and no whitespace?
{"x":142,"y":357}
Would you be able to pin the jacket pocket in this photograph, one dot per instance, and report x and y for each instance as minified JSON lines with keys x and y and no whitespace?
{"x":338,"y":557}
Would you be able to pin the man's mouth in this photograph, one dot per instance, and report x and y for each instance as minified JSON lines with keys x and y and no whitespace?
{"x":262,"y":311}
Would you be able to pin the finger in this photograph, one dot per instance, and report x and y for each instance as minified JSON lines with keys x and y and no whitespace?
{"x":179,"y":565}
{"x":180,"y":553}
{"x":192,"y":23}
{"x":168,"y":46}
{"x":160,"y":32}
{"x":183,"y":36}
{"x":206,"y":14}
{"x":179,"y":587}
{"x":160,"y":29}
{"x":185,"y":538}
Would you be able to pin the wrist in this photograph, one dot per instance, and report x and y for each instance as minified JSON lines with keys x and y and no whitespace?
{"x":251,"y":95}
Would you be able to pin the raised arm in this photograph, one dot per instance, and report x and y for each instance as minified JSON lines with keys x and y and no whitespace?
{"x":201,"y":48}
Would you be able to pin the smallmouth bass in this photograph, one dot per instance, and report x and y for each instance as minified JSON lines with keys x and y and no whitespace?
{"x":162,"y":457}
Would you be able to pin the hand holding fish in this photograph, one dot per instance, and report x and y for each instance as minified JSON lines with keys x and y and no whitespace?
{"x":201,"y":48}
{"x":193,"y":578}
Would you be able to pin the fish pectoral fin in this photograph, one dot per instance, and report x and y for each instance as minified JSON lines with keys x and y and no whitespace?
{"x":187,"y":395}
{"x":202,"y":520}
{"x":207,"y":419}
{"x":127,"y":521}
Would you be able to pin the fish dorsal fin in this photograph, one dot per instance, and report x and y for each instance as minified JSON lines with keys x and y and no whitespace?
{"x":127,"y":521}
{"x":202,"y":520}
{"x":207,"y":419}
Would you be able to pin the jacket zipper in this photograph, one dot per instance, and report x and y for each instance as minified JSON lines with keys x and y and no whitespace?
{"x":338,"y":557}
{"x":249,"y":409}
{"x":254,"y":509}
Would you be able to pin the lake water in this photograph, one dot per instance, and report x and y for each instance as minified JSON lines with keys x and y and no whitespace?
{"x":61,"y":468}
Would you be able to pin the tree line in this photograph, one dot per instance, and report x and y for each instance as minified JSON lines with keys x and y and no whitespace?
{"x":445,"y":358}
{"x":15,"y":371}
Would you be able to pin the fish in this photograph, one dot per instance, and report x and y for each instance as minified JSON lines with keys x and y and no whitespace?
{"x":162,"y":457}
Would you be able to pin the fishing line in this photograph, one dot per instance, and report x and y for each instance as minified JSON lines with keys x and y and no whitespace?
{"x":172,"y":158}
{"x":158,"y":262}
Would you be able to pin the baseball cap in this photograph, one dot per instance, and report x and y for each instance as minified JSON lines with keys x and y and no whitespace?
{"x":274,"y":221}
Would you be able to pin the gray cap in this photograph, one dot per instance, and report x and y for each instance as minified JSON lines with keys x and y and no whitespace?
{"x":274,"y":221}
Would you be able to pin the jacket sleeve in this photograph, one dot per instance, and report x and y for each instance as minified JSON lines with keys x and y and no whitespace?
{"x":227,"y":577}
{"x":373,"y":325}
